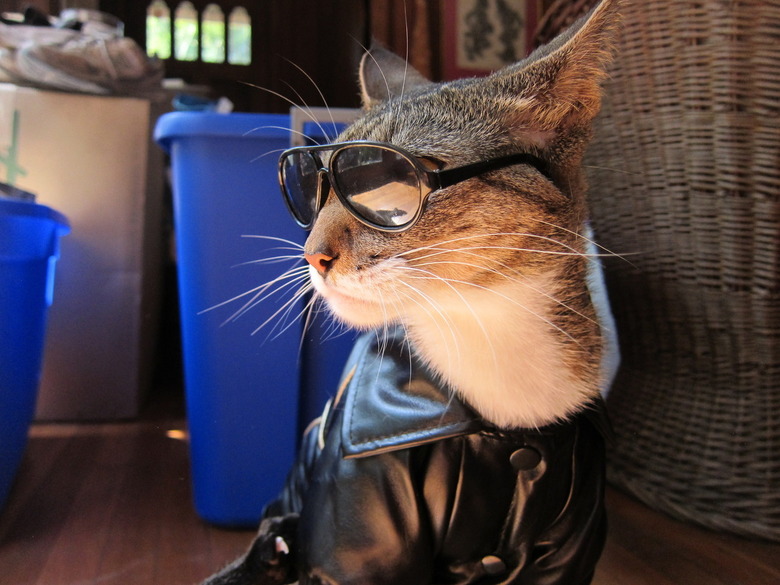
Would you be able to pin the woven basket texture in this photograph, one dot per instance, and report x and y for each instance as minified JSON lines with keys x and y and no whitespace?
{"x":684,"y":175}
{"x":559,"y":15}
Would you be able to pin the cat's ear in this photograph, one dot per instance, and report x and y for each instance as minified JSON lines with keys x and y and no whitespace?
{"x":559,"y":84}
{"x":384,"y":75}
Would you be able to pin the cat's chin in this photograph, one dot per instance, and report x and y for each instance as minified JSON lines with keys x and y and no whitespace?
{"x":356,"y":312}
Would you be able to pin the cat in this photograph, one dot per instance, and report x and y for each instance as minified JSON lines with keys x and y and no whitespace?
{"x":491,"y":292}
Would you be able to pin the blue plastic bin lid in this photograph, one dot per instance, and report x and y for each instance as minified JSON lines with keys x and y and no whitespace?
{"x":210,"y":124}
{"x":30,"y":232}
{"x":30,"y":229}
{"x":23,"y":208}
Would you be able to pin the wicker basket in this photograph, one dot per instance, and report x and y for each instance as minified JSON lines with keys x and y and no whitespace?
{"x":685,"y":172}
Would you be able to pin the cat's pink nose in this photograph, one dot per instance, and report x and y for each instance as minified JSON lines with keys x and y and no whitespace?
{"x":321,"y":262}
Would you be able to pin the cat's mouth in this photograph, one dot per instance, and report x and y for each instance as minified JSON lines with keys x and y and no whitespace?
{"x":357,"y":310}
{"x":335,"y":294}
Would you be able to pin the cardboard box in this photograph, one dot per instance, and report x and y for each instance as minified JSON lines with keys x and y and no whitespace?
{"x":91,"y":158}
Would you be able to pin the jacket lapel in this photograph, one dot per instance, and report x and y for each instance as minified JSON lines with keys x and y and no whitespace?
{"x":393,"y":402}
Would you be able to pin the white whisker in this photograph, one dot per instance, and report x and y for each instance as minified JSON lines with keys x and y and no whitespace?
{"x":262,"y":295}
{"x":477,"y":318}
{"x":270,"y":152}
{"x":612,"y":170}
{"x":503,"y":296}
{"x":304,"y":108}
{"x":284,"y":311}
{"x":271,"y":127}
{"x":309,"y":111}
{"x":432,"y":303}
{"x":379,"y":68}
{"x":272,"y":260}
{"x":308,"y":310}
{"x":438,"y":250}
{"x":259,"y":290}
{"x":322,"y":96}
{"x":335,"y":328}
{"x":295,"y":245}
{"x":609,"y":253}
{"x":521,"y":280}
{"x":406,"y":56}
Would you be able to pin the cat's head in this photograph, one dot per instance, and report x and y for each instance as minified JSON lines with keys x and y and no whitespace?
{"x":486,"y":232}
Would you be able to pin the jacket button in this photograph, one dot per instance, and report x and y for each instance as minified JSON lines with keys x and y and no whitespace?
{"x":525,"y":459}
{"x":493,"y":565}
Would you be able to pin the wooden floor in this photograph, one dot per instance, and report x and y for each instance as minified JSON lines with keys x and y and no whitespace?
{"x":109,"y":504}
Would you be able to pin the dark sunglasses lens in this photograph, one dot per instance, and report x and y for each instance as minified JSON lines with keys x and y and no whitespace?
{"x":300,"y":179}
{"x":380,"y":185}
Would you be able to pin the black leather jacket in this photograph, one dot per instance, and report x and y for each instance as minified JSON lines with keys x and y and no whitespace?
{"x":401,"y":483}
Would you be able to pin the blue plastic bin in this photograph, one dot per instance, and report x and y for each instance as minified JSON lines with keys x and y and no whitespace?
{"x":29,"y":247}
{"x":241,"y":386}
{"x":248,"y":396}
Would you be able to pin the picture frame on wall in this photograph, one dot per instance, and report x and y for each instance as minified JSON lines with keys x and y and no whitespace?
{"x":481,"y":36}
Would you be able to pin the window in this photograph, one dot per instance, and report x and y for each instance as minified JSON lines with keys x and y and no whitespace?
{"x":213,"y":35}
{"x":240,"y":37}
{"x":191,"y":36}
{"x":185,"y":32}
{"x":158,"y":30}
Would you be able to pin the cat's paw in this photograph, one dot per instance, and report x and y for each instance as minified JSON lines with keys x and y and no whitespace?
{"x":269,"y":561}
{"x":272,"y":551}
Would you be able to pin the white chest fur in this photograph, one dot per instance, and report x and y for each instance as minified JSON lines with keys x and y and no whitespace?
{"x":501,"y":353}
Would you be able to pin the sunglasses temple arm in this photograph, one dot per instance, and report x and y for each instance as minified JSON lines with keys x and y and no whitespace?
{"x":449,"y":177}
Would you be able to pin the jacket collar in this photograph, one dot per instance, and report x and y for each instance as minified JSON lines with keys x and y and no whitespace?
{"x":393,"y":402}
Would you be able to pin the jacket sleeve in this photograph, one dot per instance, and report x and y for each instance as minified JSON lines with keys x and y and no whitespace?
{"x":269,"y":561}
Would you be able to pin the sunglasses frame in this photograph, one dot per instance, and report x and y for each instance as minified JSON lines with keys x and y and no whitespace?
{"x":433,"y":180}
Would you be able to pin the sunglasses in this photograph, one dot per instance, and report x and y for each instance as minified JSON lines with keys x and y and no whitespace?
{"x":383,"y":186}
